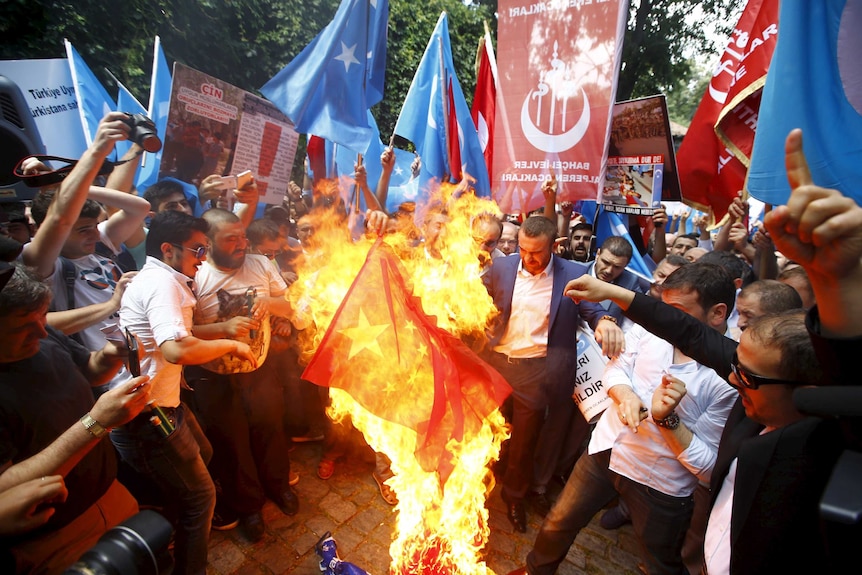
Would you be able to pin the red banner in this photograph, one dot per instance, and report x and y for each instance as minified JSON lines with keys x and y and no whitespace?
{"x":485,"y":100}
{"x":558,"y":68}
{"x":715,"y":153}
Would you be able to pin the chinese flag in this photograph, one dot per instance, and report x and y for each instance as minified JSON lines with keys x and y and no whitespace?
{"x":395,"y":362}
{"x":714,"y":155}
{"x":485,"y":100}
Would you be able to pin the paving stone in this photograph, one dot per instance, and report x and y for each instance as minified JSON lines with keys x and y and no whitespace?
{"x":337,"y":507}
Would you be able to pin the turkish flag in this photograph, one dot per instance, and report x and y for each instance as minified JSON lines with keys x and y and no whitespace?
{"x":715,"y":153}
{"x":395,"y":362}
{"x":558,"y":69}
{"x":485,"y":101}
{"x":455,"y":135}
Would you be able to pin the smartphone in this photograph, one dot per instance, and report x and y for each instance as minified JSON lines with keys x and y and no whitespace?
{"x":236,"y":182}
{"x":134,"y":357}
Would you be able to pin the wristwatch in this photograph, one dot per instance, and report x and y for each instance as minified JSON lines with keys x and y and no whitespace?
{"x":95,"y":428}
{"x":669,"y":422}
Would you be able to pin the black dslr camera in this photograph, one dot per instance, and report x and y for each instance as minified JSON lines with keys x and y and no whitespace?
{"x":143,"y":132}
{"x":137,"y":546}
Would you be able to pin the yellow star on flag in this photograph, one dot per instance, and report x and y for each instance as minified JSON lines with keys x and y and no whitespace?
{"x":364,"y":336}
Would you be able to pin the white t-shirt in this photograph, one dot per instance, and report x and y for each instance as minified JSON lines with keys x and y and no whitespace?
{"x":95,"y":279}
{"x":222,"y":296}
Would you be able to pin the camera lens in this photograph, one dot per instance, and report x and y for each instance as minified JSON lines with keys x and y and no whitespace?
{"x":138,"y":546}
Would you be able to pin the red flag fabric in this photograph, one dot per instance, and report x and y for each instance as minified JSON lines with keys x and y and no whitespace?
{"x":558,"y":70}
{"x":455,"y":135}
{"x":485,"y":100}
{"x":716,"y":151}
{"x":395,"y":362}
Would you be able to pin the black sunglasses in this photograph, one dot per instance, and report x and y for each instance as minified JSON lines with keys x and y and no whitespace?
{"x":200,"y":251}
{"x":753,"y":381}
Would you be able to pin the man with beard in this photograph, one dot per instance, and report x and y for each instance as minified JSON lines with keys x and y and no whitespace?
{"x":579,"y":242}
{"x":241,"y":402}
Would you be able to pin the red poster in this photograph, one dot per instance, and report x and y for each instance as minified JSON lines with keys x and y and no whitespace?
{"x":714,"y":155}
{"x":558,"y":65}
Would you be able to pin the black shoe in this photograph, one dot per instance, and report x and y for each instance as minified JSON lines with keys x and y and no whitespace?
{"x":224,"y":519}
{"x":287,"y":502}
{"x":540,"y":503}
{"x":517,"y":516}
{"x":614,"y":518}
{"x":253,"y":527}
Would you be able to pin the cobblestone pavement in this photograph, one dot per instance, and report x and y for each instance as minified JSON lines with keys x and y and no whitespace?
{"x":349,"y":505}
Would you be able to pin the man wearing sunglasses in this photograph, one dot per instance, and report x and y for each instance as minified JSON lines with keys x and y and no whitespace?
{"x":157,"y":309}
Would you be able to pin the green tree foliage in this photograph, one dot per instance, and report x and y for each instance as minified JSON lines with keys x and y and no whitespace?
{"x":661,"y":37}
{"x":245,"y":42}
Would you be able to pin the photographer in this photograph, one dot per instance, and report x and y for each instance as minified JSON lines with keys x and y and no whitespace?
{"x":50,"y":426}
{"x":87,"y":287}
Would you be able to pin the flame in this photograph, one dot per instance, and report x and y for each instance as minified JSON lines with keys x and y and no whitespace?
{"x":440,"y":528}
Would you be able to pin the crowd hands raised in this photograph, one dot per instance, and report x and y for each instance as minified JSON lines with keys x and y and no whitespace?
{"x":134,"y":259}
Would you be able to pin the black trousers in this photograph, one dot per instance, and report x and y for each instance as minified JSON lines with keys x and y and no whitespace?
{"x":243,"y":417}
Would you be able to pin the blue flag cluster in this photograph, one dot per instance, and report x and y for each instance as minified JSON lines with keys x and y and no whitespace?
{"x":435,"y":117}
{"x":328,"y":88}
{"x":814,"y":83}
{"x":93,"y":100}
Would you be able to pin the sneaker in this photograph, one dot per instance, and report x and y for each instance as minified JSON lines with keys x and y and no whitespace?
{"x":293,"y":478}
{"x":614,"y":518}
{"x":224,"y":519}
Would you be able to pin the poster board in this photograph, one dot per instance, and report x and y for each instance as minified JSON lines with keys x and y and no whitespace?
{"x":217,"y":128}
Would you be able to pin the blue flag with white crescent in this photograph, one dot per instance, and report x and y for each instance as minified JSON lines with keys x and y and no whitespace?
{"x":814,"y":83}
{"x":327,"y":89}
{"x":435,"y":117}
{"x":160,"y":98}
{"x":93,"y":100}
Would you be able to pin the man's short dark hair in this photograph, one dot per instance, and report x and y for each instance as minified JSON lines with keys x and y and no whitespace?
{"x":619,"y":247}
{"x":174,"y":228}
{"x":773,"y":296}
{"x":24,"y":292}
{"x":787,"y":332}
{"x":710,"y":282}
{"x":262,"y":230}
{"x":488,"y":218}
{"x":730,"y":262}
{"x":216,"y":217}
{"x":537,"y":226}
{"x":44,"y":199}
{"x":692,"y":236}
{"x":675,"y":260}
{"x":581,"y":226}
{"x":161,"y":191}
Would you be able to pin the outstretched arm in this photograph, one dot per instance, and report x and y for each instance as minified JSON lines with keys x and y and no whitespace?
{"x":42,"y":252}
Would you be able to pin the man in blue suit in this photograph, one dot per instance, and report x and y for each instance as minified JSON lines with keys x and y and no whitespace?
{"x":533,"y":343}
{"x":610,"y":266}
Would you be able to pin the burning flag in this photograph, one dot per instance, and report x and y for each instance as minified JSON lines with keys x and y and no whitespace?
{"x":397,"y":364}
{"x":420,"y":396}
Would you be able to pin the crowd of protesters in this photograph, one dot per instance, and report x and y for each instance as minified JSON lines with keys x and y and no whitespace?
{"x":127,"y":317}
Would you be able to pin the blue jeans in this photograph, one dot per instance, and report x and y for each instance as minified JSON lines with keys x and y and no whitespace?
{"x":660,"y":521}
{"x":176,"y":465}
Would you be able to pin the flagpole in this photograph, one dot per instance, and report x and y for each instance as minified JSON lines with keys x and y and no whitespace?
{"x":444,"y":95}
